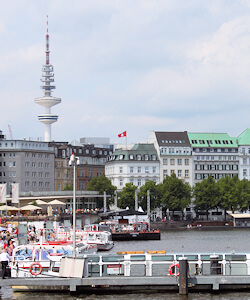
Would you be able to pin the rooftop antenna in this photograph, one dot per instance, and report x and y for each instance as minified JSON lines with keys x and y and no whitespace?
{"x":10,"y":132}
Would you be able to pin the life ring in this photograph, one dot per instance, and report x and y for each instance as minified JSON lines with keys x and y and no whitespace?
{"x":170,"y":270}
{"x":37,"y":265}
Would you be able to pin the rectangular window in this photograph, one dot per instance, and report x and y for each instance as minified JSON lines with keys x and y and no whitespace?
{"x":131,"y":180}
{"x":244,"y":172}
{"x":179,"y":173}
{"x":146,"y":169}
{"x":172,"y":172}
{"x":165,"y":173}
{"x":186,"y":173}
{"x":139,"y":169}
{"x":172,"y":161}
{"x":120,"y":169}
{"x":165,"y":161}
{"x":154,"y":169}
{"x":139,"y":182}
{"x":179,"y":161}
{"x":47,"y":184}
{"x":131,"y":170}
{"x":121,"y":182}
{"x":186,"y":161}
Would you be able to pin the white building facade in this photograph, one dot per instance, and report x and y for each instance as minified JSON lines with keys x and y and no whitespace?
{"x":136,"y":165}
{"x":175,"y":155}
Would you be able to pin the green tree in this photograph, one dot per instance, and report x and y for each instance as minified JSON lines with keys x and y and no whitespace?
{"x":176,"y":194}
{"x":242,"y":192}
{"x":228,"y":198}
{"x":127,"y":196}
{"x":154,"y":195}
{"x":101,"y":184}
{"x":206,"y":194}
{"x":68,"y":187}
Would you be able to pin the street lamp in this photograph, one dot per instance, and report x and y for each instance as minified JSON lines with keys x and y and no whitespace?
{"x":73,"y":162}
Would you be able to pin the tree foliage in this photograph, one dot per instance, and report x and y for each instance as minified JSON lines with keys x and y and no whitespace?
{"x":101,"y":184}
{"x":155,"y":199}
{"x":205,"y":194}
{"x":127,"y":196}
{"x":176,"y":194}
{"x":68,"y":187}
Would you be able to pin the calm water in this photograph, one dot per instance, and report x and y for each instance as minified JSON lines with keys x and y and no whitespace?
{"x":237,"y":240}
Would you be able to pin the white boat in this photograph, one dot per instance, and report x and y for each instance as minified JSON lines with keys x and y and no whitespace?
{"x":43,"y":259}
{"x":94,"y":234}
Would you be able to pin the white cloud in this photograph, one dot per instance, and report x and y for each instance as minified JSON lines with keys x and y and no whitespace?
{"x":141,"y":65}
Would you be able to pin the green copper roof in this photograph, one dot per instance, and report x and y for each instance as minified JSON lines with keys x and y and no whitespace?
{"x":145,"y":152}
{"x":244,"y":138}
{"x":220,"y":140}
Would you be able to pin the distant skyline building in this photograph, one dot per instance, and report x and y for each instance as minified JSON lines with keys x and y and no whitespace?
{"x":47,"y":100}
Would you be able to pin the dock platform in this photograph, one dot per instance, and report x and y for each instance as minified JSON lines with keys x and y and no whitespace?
{"x":118,"y":284}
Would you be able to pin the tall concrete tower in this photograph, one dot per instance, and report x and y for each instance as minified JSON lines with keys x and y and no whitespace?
{"x":47,"y":100}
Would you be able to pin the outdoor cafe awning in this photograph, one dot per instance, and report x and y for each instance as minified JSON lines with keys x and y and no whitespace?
{"x":30,"y":207}
{"x":8,"y":208}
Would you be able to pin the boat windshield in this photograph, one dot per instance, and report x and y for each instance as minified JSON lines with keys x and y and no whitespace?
{"x":23,"y":254}
{"x":44,"y":254}
{"x":64,"y":251}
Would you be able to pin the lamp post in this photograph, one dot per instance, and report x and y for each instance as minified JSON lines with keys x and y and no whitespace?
{"x":72,"y":162}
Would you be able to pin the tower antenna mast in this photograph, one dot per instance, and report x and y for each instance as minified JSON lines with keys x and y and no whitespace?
{"x":47,"y":100}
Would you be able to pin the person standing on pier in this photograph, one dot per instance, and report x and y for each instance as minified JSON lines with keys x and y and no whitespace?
{"x":4,"y":258}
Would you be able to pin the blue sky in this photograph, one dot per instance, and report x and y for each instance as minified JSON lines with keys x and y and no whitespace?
{"x":127,"y":65}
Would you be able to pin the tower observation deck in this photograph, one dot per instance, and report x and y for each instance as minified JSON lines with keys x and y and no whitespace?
{"x":47,"y":100}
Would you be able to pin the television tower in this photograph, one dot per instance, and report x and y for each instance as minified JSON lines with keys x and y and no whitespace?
{"x":47,"y":100}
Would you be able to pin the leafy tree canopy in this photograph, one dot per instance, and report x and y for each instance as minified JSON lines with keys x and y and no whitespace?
{"x":155,"y":199}
{"x":176,"y":194}
{"x":101,"y":184}
{"x":127,"y":196}
{"x":68,"y":187}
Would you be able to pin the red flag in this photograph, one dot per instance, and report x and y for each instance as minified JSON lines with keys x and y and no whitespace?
{"x":122,"y":134}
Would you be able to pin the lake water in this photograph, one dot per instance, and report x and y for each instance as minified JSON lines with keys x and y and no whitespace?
{"x":181,"y":241}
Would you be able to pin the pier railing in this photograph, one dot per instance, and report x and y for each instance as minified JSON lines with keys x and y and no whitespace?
{"x":145,"y":264}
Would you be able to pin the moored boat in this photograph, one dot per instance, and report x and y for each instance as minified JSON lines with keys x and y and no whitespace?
{"x":43,"y":258}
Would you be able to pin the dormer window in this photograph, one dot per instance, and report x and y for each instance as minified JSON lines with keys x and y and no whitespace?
{"x":153,"y":157}
{"x":121,"y":156}
{"x":146,"y":157}
{"x":138,"y":156}
{"x":131,"y":156}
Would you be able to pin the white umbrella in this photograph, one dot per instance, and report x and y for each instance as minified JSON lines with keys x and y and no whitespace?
{"x":7,"y":207}
{"x":30,"y":207}
{"x":39,"y":202}
{"x":56,"y":202}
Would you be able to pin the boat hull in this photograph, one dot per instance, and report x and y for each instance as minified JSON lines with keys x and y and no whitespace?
{"x":140,"y":236}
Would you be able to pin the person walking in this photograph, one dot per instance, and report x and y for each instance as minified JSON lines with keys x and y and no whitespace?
{"x":4,"y":258}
